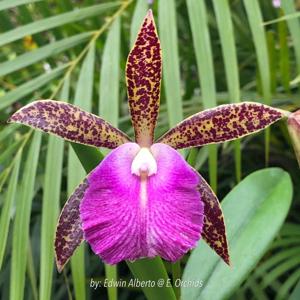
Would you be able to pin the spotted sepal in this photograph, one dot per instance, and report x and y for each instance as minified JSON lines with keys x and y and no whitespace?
{"x":143,"y":77}
{"x":69,"y":234}
{"x":70,"y":122}
{"x":214,"y":231}
{"x":220,"y":124}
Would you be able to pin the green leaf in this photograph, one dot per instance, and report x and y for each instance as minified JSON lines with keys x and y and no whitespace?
{"x":170,"y":57}
{"x":55,"y":21}
{"x":9,"y":152}
{"x":260,"y":43}
{"x":153,"y":270}
{"x":272,"y":52}
{"x":88,"y":156}
{"x":295,"y":295}
{"x":110,"y":76}
{"x":76,"y":173}
{"x":8,"y":131}
{"x":30,"y":86}
{"x":284,"y":290}
{"x":139,"y":13}
{"x":52,"y":49}
{"x":22,"y":220}
{"x":284,"y":56}
{"x":111,"y":274}
{"x":252,"y":220}
{"x":259,"y":37}
{"x":6,"y":210}
{"x":5,"y":4}
{"x":50,"y":207}
{"x":294,"y":27}
{"x":226,"y":32}
{"x":201,"y":40}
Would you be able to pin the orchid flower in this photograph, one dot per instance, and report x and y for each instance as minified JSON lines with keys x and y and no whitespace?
{"x":144,"y":199}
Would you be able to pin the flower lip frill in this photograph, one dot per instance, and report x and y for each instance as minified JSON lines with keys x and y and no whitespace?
{"x":143,"y":199}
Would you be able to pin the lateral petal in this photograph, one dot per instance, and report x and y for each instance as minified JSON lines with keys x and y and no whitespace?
{"x":70,"y":122}
{"x":69,"y":234}
{"x":222,"y":123}
{"x":214,"y":231}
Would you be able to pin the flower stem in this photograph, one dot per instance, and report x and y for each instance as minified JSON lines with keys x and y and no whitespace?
{"x":176,"y":274}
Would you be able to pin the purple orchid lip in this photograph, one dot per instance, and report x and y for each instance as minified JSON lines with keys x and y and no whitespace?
{"x":143,"y":199}
{"x":126,"y":217}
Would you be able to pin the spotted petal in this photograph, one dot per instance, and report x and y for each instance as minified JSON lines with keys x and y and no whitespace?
{"x":143,"y":77}
{"x":220,"y":124}
{"x":69,"y":232}
{"x":214,"y":232}
{"x":125,"y":217}
{"x":70,"y":122}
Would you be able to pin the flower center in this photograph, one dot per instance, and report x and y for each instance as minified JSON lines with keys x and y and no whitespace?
{"x":144,"y":163}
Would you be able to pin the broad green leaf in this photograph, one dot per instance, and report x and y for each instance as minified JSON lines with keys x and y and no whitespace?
{"x":203,"y":51}
{"x":50,"y":207}
{"x":55,"y":21}
{"x":5,"y":4}
{"x":109,"y":104}
{"x":52,"y":49}
{"x":22,"y":220}
{"x":110,"y":76}
{"x":76,"y":173}
{"x":254,"y":212}
{"x":139,"y":13}
{"x":6,"y":210}
{"x":170,"y":57}
{"x":30,"y":86}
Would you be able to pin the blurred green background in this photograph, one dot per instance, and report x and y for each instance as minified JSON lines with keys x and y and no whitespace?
{"x":214,"y":52}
